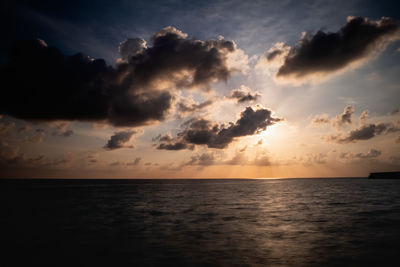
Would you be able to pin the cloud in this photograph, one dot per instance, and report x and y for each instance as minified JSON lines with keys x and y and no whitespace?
{"x":61,"y":129}
{"x":278,"y":51}
{"x":238,"y":159}
{"x":275,"y":55}
{"x":23,"y":129}
{"x":183,"y":62}
{"x":338,"y":121}
{"x":175,"y":146}
{"x":324,"y":53}
{"x":92,"y":159}
{"x":205,"y":159}
{"x":135,"y":162}
{"x":6,"y":127}
{"x":120,"y":140}
{"x":344,"y":118}
{"x":131,"y":47}
{"x":321,"y":120}
{"x":243,"y":149}
{"x":8,"y":152}
{"x":364,"y":132}
{"x":38,"y":137}
{"x":311,"y":159}
{"x":187,"y":106}
{"x":263,"y":160}
{"x":12,"y":158}
{"x":200,"y":131}
{"x":244,"y":94}
{"x":45,"y":85}
{"x":363,"y":117}
{"x":65,"y":133}
{"x":395,"y":112}
{"x":372,"y":153}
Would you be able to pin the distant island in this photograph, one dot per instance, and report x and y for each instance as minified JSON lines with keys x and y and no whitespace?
{"x":384,"y":175}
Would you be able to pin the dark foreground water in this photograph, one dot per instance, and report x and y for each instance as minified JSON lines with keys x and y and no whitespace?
{"x":281,"y":222}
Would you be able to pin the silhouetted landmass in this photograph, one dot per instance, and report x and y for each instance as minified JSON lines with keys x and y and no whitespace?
{"x":384,"y":175}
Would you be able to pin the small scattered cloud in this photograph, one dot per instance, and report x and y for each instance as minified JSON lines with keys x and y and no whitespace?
{"x":24,"y":129}
{"x":12,"y":158}
{"x":363,"y":117}
{"x":186,"y":106}
{"x":244,"y":94}
{"x":120,"y":140}
{"x":312,"y":159}
{"x":349,"y":156}
{"x":135,"y":162}
{"x":321,"y":120}
{"x":38,"y":137}
{"x":6,"y":127}
{"x":395,"y":112}
{"x":61,"y":128}
{"x":345,"y":118}
{"x":66,"y":133}
{"x":92,"y":159}
{"x":338,"y":121}
{"x":364,"y":132}
{"x":243,"y":149}
{"x":205,"y":159}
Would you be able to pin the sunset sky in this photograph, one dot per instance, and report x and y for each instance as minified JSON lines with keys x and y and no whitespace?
{"x":199,"y":89}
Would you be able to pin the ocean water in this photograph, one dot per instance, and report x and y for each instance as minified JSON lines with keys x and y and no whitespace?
{"x":275,"y":222}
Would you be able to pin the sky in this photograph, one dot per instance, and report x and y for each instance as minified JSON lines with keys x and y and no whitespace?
{"x":199,"y":89}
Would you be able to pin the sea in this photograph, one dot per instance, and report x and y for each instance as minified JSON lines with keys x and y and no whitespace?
{"x":184,"y":222}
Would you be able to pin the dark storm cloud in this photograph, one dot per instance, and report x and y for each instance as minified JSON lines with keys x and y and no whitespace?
{"x":244,"y":94}
{"x":120,"y":140}
{"x":184,"y":62}
{"x":328,"y":52}
{"x":364,"y":132}
{"x":39,"y":83}
{"x":201,"y":131}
